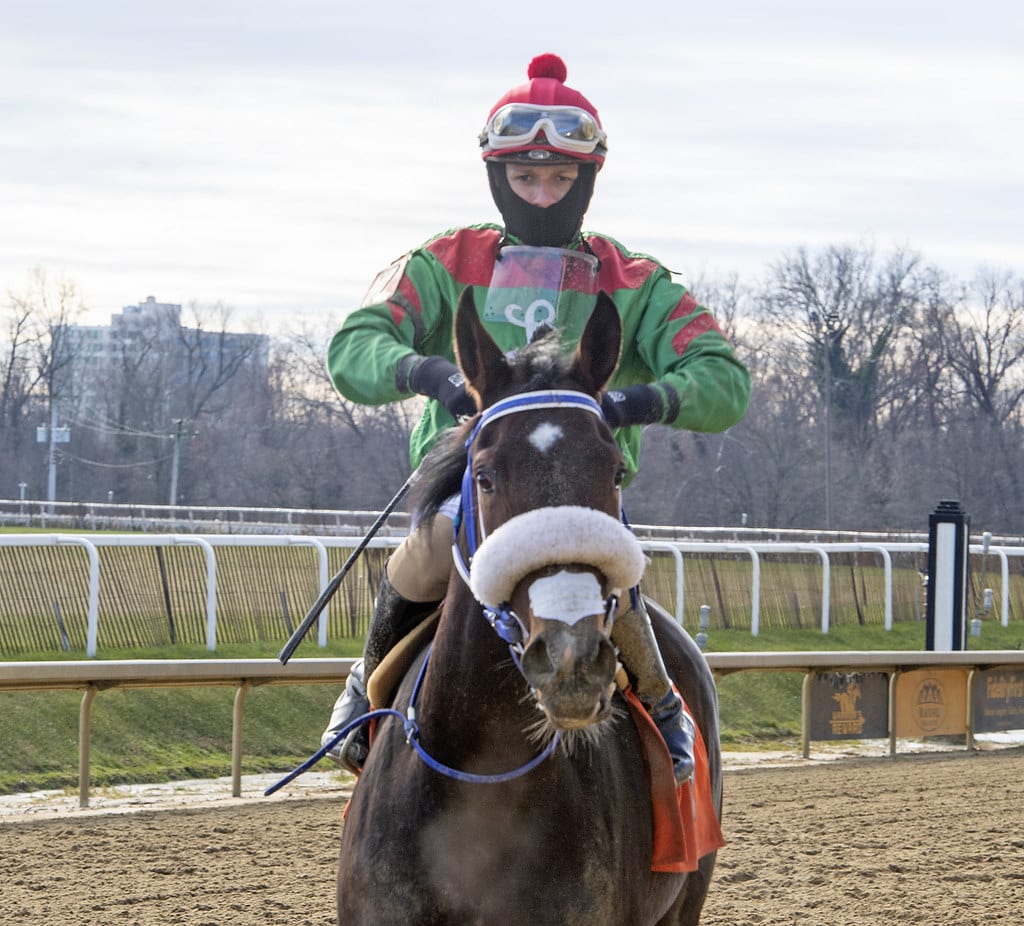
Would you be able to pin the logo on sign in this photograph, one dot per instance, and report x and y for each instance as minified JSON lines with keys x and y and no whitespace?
{"x":929,"y":705}
{"x":849,"y":718}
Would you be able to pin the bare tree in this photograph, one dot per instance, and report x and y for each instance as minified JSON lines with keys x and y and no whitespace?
{"x":16,"y":373}
{"x":982,"y":336}
{"x":214,"y":377}
{"x":852,"y":317}
{"x":211,"y":359}
{"x":37,"y":357}
{"x":17,"y":381}
{"x":849,"y":313}
{"x":325,"y":450}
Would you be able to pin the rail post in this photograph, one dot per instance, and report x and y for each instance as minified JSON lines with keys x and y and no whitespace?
{"x":237,"y":715}
{"x":84,"y":727}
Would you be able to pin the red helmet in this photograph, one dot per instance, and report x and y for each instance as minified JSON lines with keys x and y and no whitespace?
{"x":543,"y":121}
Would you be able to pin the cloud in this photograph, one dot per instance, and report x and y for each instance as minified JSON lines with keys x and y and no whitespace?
{"x":275,"y":155}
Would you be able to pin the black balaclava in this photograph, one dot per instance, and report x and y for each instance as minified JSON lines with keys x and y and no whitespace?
{"x":551,"y":227}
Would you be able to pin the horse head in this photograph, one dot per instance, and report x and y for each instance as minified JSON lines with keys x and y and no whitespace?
{"x":541,"y":491}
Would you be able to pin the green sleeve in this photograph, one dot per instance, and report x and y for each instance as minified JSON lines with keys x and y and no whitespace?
{"x":679,"y":341}
{"x":416,"y":317}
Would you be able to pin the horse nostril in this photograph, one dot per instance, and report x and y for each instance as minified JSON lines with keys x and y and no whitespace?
{"x":605,"y":660}
{"x":536,"y":661}
{"x":564,"y":657}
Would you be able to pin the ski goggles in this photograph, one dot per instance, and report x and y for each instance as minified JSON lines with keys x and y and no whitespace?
{"x":567,"y":128}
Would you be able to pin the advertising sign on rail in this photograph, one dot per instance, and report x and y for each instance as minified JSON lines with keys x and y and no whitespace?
{"x":998,"y":700}
{"x":848,"y":706}
{"x":931,"y":702}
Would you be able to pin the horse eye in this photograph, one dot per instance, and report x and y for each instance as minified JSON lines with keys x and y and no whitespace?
{"x":619,"y":477}
{"x":485,"y":481}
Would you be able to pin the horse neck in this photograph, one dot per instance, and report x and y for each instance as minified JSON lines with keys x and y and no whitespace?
{"x":471,"y":672}
{"x":465,"y":644}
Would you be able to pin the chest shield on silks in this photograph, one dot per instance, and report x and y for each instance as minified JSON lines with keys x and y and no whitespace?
{"x":531,"y":287}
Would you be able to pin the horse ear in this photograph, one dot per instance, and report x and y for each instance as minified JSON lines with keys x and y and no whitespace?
{"x":480,"y":359}
{"x":598,"y":353}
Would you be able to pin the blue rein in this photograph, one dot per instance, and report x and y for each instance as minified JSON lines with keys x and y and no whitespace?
{"x":412,"y":737}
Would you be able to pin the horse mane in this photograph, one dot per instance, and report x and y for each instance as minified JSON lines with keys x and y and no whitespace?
{"x":541,"y":364}
{"x":440,"y":473}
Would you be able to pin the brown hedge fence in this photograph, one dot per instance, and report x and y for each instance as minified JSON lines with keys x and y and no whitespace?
{"x":791,"y":588}
{"x":153,"y":596}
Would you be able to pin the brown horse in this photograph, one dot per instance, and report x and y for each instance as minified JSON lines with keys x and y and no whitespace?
{"x":525,"y":799}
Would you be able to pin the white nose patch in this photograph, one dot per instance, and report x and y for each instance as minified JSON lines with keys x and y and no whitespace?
{"x":545,"y":436}
{"x":566,"y":596}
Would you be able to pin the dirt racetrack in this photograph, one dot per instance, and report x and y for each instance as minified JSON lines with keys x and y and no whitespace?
{"x":936,"y":840}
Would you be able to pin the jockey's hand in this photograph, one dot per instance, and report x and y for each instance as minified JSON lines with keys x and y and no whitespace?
{"x":440,"y":379}
{"x":632,"y":405}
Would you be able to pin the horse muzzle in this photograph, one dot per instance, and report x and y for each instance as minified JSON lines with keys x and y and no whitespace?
{"x":571,"y":671}
{"x":569,"y":660}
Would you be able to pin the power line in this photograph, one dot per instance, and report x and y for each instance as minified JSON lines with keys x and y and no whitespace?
{"x":113,"y":427}
{"x":71,"y":456}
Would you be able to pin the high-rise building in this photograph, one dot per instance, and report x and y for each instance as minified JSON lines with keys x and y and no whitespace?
{"x":146,"y":369}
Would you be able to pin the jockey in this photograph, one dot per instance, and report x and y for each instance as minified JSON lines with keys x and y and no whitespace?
{"x":543,"y":145}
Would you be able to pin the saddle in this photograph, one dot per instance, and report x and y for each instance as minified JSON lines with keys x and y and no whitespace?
{"x":381,"y":685}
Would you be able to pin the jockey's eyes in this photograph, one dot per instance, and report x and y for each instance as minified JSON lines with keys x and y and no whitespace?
{"x":485,"y":480}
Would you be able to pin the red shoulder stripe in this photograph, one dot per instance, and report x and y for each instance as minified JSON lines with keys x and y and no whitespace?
{"x":409,"y":298}
{"x":700,"y":325}
{"x":618,"y":270}
{"x":468,"y":254}
{"x":687,"y":306}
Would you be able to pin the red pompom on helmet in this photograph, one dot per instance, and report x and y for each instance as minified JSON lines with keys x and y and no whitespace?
{"x":543,"y":121}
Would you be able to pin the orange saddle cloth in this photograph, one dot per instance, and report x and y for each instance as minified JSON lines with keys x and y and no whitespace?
{"x":685,"y":821}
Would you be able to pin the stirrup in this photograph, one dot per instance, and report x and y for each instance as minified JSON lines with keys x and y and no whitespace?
{"x":677,"y":730}
{"x":351,"y":753}
{"x":352,"y":703}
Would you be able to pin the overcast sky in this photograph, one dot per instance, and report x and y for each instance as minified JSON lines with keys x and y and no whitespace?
{"x":273,"y":155}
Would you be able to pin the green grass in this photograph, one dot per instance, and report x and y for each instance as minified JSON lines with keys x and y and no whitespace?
{"x":170,"y":734}
{"x":905,"y":635}
{"x":146,"y":735}
{"x":157,"y":735}
{"x":307,"y":650}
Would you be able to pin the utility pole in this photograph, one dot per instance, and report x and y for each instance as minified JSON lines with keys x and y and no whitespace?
{"x":51,"y":478}
{"x":828,"y":420}
{"x":53,"y":436}
{"x":828,"y":343}
{"x":175,"y":458}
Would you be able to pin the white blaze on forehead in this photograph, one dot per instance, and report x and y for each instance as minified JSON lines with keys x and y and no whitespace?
{"x":566,"y":596}
{"x":545,"y":436}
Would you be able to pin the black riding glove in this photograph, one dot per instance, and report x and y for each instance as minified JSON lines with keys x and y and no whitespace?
{"x":632,"y":405}
{"x":438,"y":379}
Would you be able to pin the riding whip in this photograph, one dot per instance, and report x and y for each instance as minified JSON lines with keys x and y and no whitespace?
{"x":328,"y":593}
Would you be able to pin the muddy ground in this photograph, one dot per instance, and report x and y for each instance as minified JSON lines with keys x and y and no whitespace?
{"x":936,"y":840}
